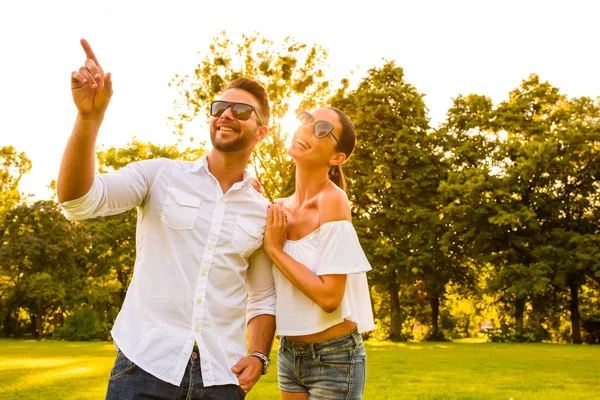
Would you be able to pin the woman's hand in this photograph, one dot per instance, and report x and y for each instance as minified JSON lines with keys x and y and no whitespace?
{"x":276,"y":230}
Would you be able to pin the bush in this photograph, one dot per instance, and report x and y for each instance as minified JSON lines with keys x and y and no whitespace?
{"x":82,"y":325}
{"x":591,"y":329}
{"x":512,"y":336}
{"x":439,"y":337}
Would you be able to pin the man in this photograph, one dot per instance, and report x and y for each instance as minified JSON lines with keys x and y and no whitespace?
{"x":200,"y":271}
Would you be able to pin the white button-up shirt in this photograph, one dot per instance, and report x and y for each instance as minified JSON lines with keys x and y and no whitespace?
{"x":200,"y":271}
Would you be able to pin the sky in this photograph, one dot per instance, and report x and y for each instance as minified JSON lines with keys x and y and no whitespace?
{"x":446,"y":48}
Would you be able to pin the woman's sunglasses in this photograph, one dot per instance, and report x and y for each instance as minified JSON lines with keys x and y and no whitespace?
{"x":241,"y":111}
{"x":320,"y":128}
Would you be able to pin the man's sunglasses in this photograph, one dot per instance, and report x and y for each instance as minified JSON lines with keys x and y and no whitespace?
{"x":241,"y":111}
{"x":320,"y":128}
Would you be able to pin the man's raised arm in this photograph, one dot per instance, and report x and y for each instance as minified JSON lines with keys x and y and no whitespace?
{"x":91,"y":89}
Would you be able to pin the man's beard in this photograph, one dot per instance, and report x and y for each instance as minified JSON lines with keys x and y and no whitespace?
{"x":241,"y":143}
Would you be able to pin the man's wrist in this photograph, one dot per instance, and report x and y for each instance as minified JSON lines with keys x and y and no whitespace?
{"x":263,"y":359}
{"x":92,"y":117}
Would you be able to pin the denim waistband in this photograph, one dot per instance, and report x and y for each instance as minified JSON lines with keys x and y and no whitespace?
{"x":345,"y":341}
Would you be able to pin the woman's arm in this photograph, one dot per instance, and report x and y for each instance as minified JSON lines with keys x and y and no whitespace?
{"x":327,"y":291}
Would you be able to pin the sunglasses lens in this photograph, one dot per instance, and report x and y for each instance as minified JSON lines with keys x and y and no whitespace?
{"x":305,"y":118}
{"x":242,"y":111}
{"x":322,"y":129}
{"x":217,"y":108}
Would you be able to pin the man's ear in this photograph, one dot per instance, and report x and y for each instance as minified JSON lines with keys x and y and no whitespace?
{"x":337,"y":159}
{"x":262,"y":132}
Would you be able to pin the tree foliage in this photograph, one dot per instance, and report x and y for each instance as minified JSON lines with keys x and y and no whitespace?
{"x":522,"y":194}
{"x":13,"y":165}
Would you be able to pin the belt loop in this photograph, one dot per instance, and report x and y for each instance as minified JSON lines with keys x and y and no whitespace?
{"x":312,"y":351}
{"x":354,"y":335}
{"x":282,"y":343}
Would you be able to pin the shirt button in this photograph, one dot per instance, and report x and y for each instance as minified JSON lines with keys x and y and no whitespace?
{"x":204,"y":273}
{"x":197,"y":330}
{"x":211,"y":247}
{"x":199,"y":301}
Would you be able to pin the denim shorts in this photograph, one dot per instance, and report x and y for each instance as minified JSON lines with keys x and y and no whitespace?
{"x":331,"y":369}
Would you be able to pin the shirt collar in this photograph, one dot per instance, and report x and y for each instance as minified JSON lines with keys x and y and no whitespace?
{"x":202,"y":163}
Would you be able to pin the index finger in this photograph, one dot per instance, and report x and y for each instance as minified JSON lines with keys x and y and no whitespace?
{"x":89,"y":53}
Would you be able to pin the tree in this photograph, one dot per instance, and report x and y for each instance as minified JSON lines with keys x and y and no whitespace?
{"x":521,"y":192}
{"x":43,"y":258}
{"x":570,"y":243}
{"x":290,"y":71}
{"x":113,"y":158}
{"x":393,"y":178}
{"x":13,"y":166}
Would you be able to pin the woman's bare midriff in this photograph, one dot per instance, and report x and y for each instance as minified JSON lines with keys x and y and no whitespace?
{"x":336,"y":330}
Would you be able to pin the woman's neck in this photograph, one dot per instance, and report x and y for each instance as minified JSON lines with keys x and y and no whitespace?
{"x":310,"y":182}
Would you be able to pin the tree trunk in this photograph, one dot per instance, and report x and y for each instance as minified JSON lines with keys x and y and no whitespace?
{"x":38,"y":320}
{"x":434,"y":301}
{"x":17,"y":322}
{"x":519,"y":313}
{"x":33,"y":326}
{"x":574,"y":308}
{"x":395,"y":312}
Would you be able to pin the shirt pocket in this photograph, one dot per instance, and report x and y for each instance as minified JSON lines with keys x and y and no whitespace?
{"x":180,"y":209}
{"x":247,"y":237}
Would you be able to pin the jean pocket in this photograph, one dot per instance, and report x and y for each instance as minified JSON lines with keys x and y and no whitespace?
{"x":180,"y":209}
{"x":247,"y":237}
{"x":123,"y":366}
{"x":339,"y":359}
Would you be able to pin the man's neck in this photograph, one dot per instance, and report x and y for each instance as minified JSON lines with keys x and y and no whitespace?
{"x":228,"y":168}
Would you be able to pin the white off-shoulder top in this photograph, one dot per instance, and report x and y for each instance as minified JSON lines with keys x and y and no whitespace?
{"x":331,"y":249}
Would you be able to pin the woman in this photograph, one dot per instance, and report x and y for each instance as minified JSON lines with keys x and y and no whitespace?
{"x":319,"y":268}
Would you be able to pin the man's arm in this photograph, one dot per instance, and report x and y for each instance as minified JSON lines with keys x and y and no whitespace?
{"x":261,"y":330}
{"x":77,"y":168}
{"x":261,"y":302}
{"x":261,"y":318}
{"x":91,"y":90}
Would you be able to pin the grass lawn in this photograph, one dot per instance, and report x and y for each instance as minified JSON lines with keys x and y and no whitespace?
{"x":68,"y":370}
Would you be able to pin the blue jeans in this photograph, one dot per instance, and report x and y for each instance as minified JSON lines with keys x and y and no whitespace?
{"x":331,"y":369}
{"x":128,"y":381}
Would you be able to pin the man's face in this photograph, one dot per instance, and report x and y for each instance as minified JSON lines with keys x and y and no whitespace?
{"x":229,"y":134}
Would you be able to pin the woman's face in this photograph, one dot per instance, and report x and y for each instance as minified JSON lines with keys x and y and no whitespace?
{"x":306,"y":146}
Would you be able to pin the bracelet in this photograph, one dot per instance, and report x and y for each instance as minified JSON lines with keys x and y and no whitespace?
{"x":263,"y":358}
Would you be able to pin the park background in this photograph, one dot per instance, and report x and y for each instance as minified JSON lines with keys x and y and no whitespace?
{"x":474,"y":186}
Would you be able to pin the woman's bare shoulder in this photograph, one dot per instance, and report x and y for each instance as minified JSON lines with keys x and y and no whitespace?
{"x":333,"y":205}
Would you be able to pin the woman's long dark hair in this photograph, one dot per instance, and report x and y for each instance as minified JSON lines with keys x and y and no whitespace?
{"x":347,"y":141}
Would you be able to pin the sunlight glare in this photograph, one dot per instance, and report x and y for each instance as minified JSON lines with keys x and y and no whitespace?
{"x":289,"y":123}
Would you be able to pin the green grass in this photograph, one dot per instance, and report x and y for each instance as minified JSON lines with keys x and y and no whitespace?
{"x":67,"y":370}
